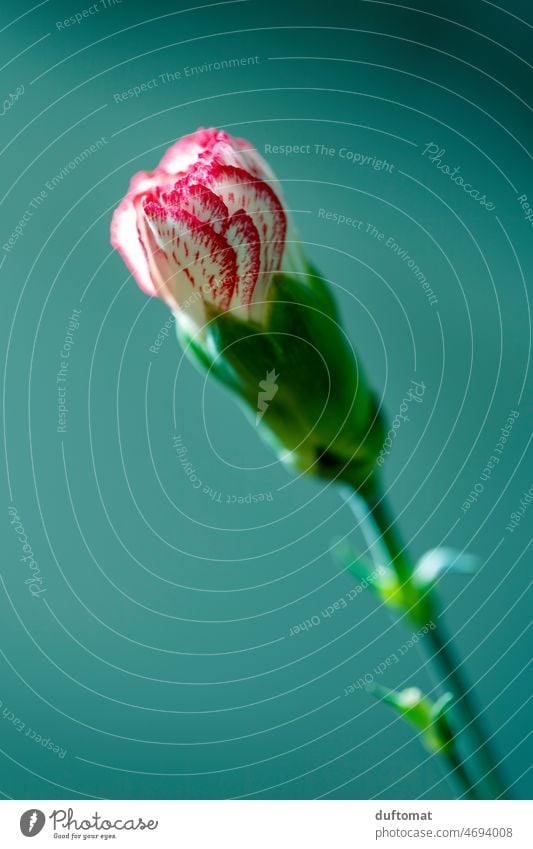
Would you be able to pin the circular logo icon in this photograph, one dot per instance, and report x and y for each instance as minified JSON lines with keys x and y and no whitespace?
{"x":32,"y":822}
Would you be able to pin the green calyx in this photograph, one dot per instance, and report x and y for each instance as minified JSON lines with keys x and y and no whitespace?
{"x":298,"y":378}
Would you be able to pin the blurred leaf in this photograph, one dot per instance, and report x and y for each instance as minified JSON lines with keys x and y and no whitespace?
{"x":380,"y":579}
{"x":428,"y":717}
{"x":439,"y":560}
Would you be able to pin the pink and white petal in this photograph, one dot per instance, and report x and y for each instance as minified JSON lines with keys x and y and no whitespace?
{"x":189,"y":251}
{"x":240,"y":190}
{"x":172,"y":288}
{"x":200,"y":202}
{"x":225,"y":153}
{"x":185,"y":152}
{"x":144,"y":181}
{"x":255,"y":164}
{"x":126,"y":239}
{"x":210,"y":146}
{"x":241,"y":233}
{"x":245,"y":156}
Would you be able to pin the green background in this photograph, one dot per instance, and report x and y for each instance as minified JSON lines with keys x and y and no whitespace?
{"x":160,"y":655}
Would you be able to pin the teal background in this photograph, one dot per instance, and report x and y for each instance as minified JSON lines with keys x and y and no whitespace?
{"x":160,"y":655}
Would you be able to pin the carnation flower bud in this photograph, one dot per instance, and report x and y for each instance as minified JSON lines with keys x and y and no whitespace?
{"x":205,"y":227}
{"x":207,"y":232}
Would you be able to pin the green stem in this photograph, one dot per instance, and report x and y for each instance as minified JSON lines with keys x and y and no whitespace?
{"x":439,"y":648}
{"x":444,"y":656}
{"x":460,"y":774}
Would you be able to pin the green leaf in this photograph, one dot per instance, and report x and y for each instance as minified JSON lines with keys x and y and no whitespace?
{"x":437,"y":561}
{"x":239,"y":347}
{"x":192,"y":347}
{"x":439,"y":735}
{"x":380,"y":579}
{"x":323,"y":291}
{"x":430,"y":718}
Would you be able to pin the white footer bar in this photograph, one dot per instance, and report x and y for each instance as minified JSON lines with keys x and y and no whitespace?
{"x":267,"y":824}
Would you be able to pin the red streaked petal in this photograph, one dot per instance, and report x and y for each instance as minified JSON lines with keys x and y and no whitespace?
{"x":208,"y":220}
{"x":240,"y":190}
{"x":243,"y":237}
{"x":190,"y":250}
{"x":200,"y":202}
